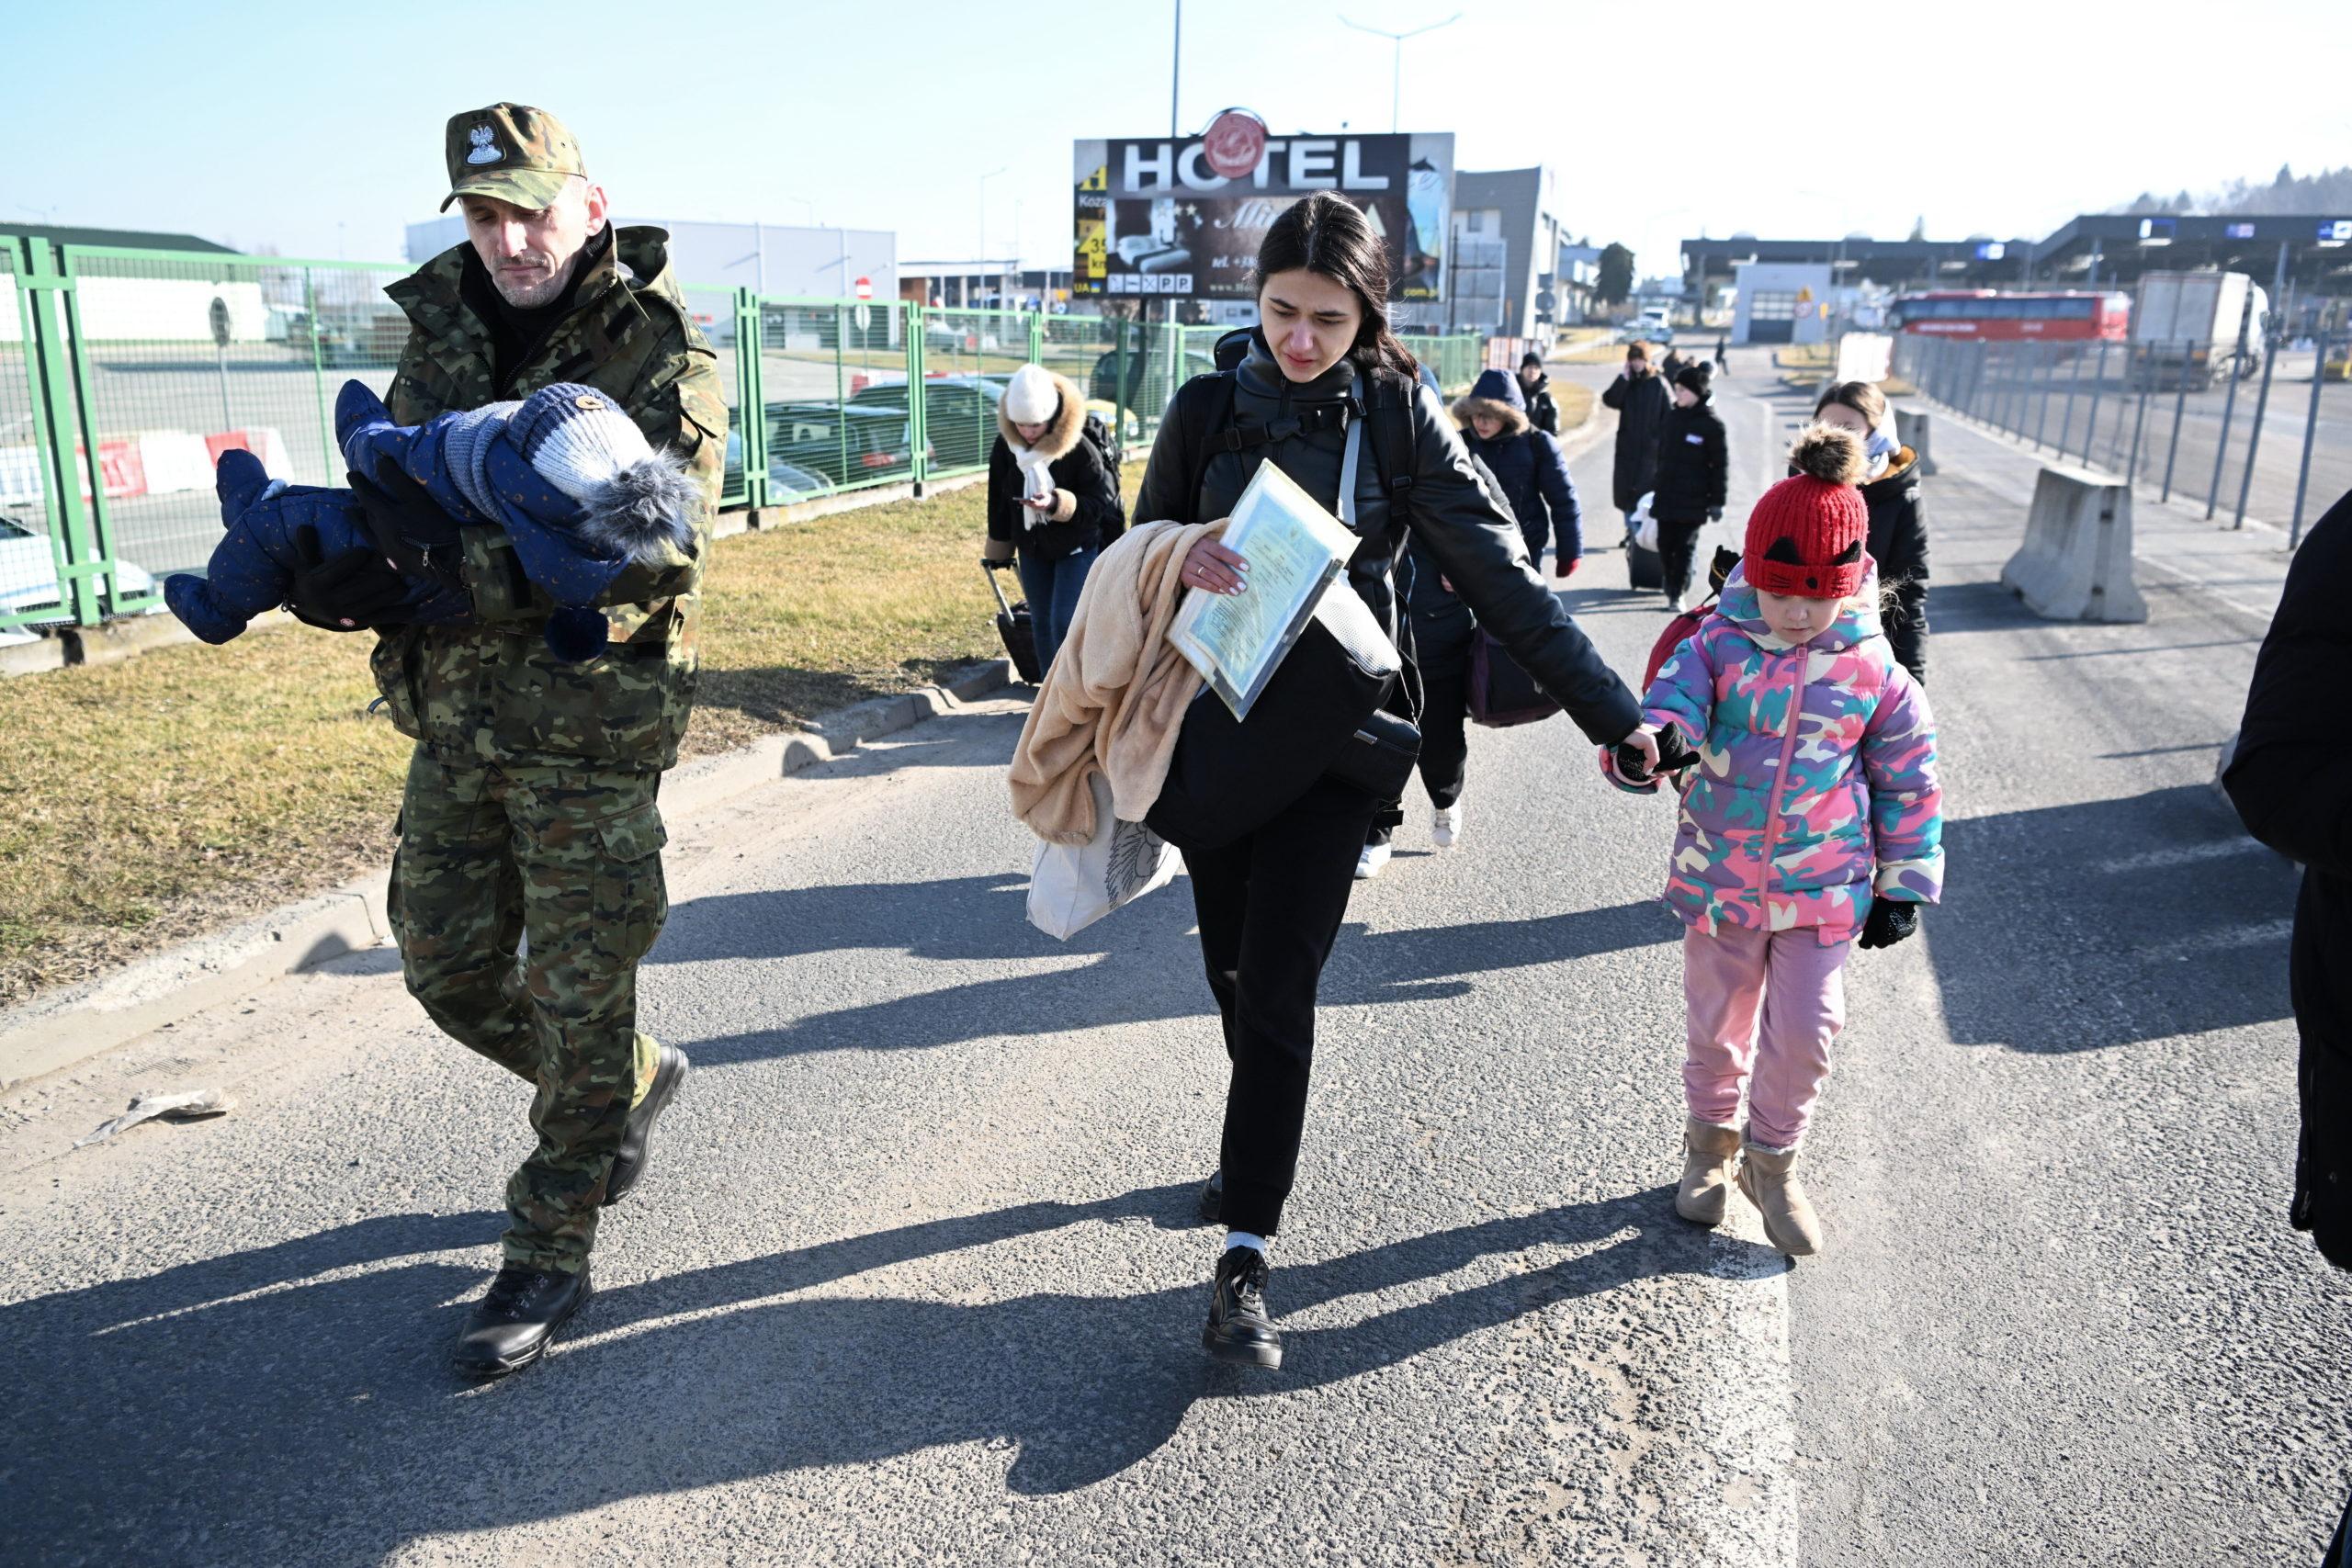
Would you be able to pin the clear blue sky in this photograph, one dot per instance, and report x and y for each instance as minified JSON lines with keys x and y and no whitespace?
{"x":317,"y":129}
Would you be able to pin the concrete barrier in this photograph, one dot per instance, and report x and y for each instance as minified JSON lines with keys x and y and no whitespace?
{"x":2076,"y":564}
{"x":1914,"y":428}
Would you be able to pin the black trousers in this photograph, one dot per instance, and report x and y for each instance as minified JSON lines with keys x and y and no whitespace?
{"x":1677,"y":543}
{"x":1270,"y":907}
{"x":1445,"y":740}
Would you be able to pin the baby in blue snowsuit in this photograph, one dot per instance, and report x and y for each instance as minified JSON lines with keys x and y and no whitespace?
{"x":575,"y":485}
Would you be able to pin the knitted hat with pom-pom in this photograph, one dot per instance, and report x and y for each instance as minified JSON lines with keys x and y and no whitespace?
{"x":1807,"y":537}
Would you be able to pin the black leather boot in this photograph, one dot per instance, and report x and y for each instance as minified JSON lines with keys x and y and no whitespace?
{"x":628,"y":1165}
{"x":1213,"y":1198}
{"x":514,"y":1324}
{"x":1238,"y":1330}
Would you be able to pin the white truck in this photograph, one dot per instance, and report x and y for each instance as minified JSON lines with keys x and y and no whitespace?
{"x":2184,"y":327}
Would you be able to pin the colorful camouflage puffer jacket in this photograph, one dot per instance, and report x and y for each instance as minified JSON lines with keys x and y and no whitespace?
{"x":1815,"y":785}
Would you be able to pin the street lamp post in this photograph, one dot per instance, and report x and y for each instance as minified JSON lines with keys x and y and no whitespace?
{"x":1396,"y":76}
{"x":983,"y":257}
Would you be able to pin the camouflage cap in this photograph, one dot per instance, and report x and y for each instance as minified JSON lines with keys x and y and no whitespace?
{"x":511,"y":152}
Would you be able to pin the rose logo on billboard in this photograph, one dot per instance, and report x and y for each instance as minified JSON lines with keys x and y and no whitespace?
{"x":1236,"y":140}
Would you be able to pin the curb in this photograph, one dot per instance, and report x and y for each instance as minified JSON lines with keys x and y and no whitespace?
{"x":69,"y":1027}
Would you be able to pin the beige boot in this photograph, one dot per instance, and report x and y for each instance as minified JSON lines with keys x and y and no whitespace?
{"x":1770,"y":1181}
{"x":1707,"y":1152}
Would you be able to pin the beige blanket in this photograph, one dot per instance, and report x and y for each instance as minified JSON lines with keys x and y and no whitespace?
{"x":1116,"y":694}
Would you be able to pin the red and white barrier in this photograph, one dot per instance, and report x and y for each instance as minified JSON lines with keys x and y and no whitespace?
{"x":154,"y":462}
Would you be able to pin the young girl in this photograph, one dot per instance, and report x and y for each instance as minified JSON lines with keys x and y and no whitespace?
{"x":1812,"y":818}
{"x":1898,"y":539}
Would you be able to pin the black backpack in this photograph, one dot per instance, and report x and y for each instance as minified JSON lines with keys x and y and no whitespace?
{"x":1098,"y":436}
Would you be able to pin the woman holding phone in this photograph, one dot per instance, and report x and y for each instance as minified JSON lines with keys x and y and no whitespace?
{"x":1270,"y":904}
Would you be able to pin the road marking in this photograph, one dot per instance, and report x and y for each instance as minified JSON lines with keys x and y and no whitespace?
{"x":1747,"y":1403}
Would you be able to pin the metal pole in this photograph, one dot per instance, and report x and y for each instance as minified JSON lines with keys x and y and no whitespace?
{"x":2049,"y":374}
{"x":2099,"y":387}
{"x":1175,"y":71}
{"x":220,"y":358}
{"x":2171,"y":448}
{"x":2230,"y":398}
{"x":2066,"y":425}
{"x":2254,"y":437}
{"x":2311,"y":428}
{"x":2139,"y":422}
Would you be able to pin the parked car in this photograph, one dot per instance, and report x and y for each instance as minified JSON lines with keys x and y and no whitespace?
{"x":1147,"y":378}
{"x":28,"y":582}
{"x":845,"y":446}
{"x":787,"y":481}
{"x":959,"y":414}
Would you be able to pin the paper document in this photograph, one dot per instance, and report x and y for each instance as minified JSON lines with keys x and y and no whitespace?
{"x":1296,"y":549}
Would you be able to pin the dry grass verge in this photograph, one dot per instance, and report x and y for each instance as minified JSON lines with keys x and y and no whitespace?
{"x":153,"y":800}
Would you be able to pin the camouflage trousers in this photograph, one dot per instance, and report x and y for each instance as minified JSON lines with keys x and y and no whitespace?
{"x":565,"y":862}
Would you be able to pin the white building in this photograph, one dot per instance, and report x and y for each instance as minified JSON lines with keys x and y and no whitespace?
{"x":1781,"y":302}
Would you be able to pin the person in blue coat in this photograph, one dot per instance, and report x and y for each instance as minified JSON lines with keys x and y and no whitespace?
{"x":1529,"y":465}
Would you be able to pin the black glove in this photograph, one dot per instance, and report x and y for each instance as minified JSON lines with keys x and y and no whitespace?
{"x":1714,"y":514}
{"x":405,"y":521}
{"x":1674,"y":754}
{"x":1890,"y":921}
{"x":354,"y":591}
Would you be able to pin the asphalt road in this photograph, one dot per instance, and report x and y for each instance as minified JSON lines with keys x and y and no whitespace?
{"x":911,"y":1279}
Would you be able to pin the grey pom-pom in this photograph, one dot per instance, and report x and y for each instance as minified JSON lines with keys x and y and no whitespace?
{"x":639,"y":509}
{"x":1829,"y":454}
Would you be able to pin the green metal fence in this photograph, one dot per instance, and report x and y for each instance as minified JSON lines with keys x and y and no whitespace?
{"x":124,"y":374}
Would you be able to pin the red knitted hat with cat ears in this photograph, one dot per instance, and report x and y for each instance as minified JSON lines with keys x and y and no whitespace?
{"x":1807,"y":537}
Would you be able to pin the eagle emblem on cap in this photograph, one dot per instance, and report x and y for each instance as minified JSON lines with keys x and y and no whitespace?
{"x":485,"y":146}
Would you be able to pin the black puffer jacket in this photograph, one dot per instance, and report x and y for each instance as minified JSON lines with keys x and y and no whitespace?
{"x":1543,"y":411}
{"x":1641,"y":402}
{"x":2291,"y":782}
{"x":1691,"y":465}
{"x":1465,"y":535}
{"x":1899,"y":544}
{"x":1093,"y":520}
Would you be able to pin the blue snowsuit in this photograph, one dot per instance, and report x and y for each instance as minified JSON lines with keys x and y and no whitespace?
{"x":473,"y":466}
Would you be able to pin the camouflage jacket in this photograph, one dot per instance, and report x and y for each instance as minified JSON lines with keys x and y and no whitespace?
{"x":491,"y":691}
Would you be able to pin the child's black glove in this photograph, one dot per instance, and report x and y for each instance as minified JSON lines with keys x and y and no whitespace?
{"x":1890,"y":921}
{"x":1674,"y":754}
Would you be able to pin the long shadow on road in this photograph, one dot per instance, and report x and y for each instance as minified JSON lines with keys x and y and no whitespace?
{"x":2109,"y":922}
{"x":1144,"y":964}
{"x":290,"y":1404}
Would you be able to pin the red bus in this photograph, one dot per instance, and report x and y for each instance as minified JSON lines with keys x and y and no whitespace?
{"x":1982,"y":313}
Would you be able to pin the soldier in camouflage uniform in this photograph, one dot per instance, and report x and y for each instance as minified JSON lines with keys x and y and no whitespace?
{"x":529,"y":811}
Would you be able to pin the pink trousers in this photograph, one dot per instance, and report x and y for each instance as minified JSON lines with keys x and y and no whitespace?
{"x":1763,"y":1007}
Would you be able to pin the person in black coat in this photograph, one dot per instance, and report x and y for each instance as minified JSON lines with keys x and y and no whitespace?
{"x":1535,"y":390}
{"x":1270,"y":904}
{"x":1693,"y":471}
{"x":1053,"y":503}
{"x":1899,"y":540}
{"x":1528,"y":464}
{"x":1641,"y":400}
{"x":2291,"y":778}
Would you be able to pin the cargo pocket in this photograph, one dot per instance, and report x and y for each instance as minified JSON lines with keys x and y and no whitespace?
{"x":393,"y":665}
{"x":632,"y":899}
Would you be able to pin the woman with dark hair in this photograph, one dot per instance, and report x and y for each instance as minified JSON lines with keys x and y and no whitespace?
{"x":1270,"y":904}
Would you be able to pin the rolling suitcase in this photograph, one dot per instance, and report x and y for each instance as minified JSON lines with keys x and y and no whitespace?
{"x":1644,"y":568}
{"x":1012,"y":626}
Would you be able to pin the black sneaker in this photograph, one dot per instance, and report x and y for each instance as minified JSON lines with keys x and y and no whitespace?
{"x":1213,"y":1198}
{"x":628,"y":1165}
{"x":514,"y":1323}
{"x":1238,"y":1330}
